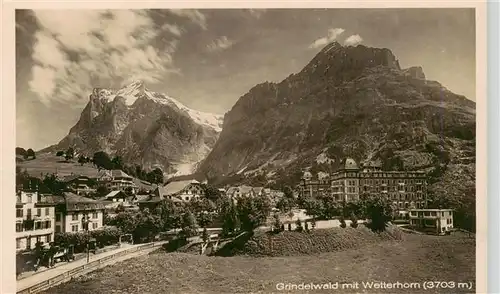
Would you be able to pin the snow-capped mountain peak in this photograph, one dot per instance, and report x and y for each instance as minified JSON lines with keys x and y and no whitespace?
{"x":137,"y":89}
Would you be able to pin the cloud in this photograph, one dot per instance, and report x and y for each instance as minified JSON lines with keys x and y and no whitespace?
{"x":75,"y":51}
{"x":193,"y":14}
{"x":353,"y":40}
{"x":220,"y":44}
{"x":173,"y":29}
{"x":332,"y":36}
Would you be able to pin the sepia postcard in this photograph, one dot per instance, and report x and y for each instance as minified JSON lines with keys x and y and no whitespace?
{"x":239,"y":147}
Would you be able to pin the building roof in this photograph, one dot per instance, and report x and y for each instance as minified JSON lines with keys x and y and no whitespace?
{"x":258,"y":189}
{"x":307,"y":175}
{"x":116,"y":173}
{"x":372,"y":163}
{"x":103,"y":173}
{"x":349,"y":164}
{"x":244,"y":189}
{"x":112,"y":194}
{"x":175,"y":187}
{"x":77,"y":203}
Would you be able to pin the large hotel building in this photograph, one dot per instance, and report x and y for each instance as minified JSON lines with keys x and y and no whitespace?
{"x":406,"y":189}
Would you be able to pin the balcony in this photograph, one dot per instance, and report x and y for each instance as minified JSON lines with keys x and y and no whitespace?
{"x":34,"y":233}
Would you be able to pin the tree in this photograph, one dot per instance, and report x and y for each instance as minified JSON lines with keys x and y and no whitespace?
{"x":277,"y":222}
{"x":253,"y":212}
{"x":60,"y":153}
{"x":102,"y":191}
{"x":189,"y":228}
{"x":117,"y":162}
{"x":30,"y":153}
{"x":330,"y":208}
{"x":170,"y":215}
{"x":126,"y":222}
{"x":212,"y":193}
{"x":379,"y":210}
{"x":82,"y":160}
{"x":55,"y":186}
{"x":314,"y":207}
{"x":148,"y":225}
{"x":230,"y":220}
{"x":21,"y":151}
{"x":155,"y":176}
{"x":285,"y":204}
{"x":102,"y":160}
{"x":70,"y":153}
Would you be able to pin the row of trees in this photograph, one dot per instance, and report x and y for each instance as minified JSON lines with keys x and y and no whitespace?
{"x":102,"y":160}
{"x":26,"y":154}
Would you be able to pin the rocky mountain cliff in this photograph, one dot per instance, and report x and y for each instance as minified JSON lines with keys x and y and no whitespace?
{"x":349,"y":101}
{"x":144,"y":127}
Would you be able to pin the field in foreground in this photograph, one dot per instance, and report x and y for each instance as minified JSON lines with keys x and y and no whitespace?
{"x":415,"y":259}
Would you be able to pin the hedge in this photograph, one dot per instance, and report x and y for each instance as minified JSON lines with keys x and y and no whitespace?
{"x":104,"y":237}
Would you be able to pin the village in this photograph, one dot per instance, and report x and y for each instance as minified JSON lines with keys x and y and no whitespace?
{"x":56,"y":228}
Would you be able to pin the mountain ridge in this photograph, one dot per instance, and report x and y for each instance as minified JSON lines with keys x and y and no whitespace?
{"x":349,"y":101}
{"x":144,"y":127}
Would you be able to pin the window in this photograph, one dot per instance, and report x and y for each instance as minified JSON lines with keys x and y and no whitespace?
{"x":94,"y":215}
{"x":38,"y":225}
{"x":47,"y":211}
{"x":19,"y":227}
{"x":47,"y":224}
{"x":58,"y":217}
{"x":19,"y":213}
{"x":94,"y":225}
{"x":74,"y":217}
{"x":38,"y":212}
{"x":74,"y":228}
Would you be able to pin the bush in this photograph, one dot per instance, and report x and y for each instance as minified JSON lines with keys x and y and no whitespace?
{"x":299,"y":227}
{"x":342,"y":222}
{"x":354,"y":221}
{"x":175,"y":244}
{"x":104,"y":237}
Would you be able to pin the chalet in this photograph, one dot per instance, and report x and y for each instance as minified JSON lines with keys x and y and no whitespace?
{"x":116,"y":198}
{"x":81,"y":185}
{"x":176,"y":191}
{"x":117,"y":180}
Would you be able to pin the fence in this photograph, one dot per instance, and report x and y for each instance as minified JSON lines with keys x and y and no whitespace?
{"x":66,"y":276}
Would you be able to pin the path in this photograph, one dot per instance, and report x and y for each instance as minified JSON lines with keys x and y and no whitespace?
{"x":54,"y":272}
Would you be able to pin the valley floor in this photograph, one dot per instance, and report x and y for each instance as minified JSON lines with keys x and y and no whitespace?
{"x":417,"y":259}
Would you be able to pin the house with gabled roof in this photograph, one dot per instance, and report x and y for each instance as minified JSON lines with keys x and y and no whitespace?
{"x":73,"y":212}
{"x":177,"y":191}
{"x":80,"y":184}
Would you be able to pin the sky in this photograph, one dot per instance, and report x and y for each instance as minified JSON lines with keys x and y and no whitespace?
{"x":207,"y":59}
